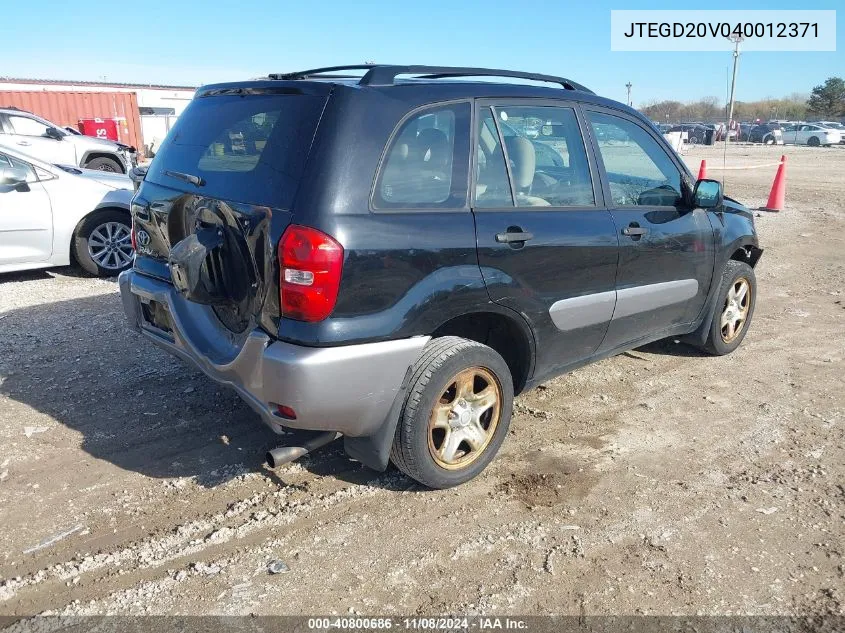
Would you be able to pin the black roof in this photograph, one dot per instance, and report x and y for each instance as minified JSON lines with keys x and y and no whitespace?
{"x":386,"y":74}
{"x":423,"y":87}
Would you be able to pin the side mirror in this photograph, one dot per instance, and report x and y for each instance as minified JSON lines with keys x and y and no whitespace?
{"x":707,"y":194}
{"x":137,"y":175}
{"x":14,"y":177}
{"x":54,"y":134}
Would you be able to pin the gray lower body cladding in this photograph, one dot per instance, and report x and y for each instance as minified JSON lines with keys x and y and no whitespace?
{"x":349,"y":389}
{"x":586,"y":310}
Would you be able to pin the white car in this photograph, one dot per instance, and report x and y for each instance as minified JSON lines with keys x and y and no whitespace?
{"x":812,"y":134}
{"x":834,"y":125}
{"x":39,"y":138}
{"x":51,"y":215}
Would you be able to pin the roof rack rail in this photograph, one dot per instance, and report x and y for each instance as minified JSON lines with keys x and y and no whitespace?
{"x":304,"y":74}
{"x":385,"y":74}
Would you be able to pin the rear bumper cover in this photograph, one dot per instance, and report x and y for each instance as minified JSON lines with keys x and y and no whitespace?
{"x":348,"y":388}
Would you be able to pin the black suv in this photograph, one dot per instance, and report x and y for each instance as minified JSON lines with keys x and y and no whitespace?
{"x":393,"y":259}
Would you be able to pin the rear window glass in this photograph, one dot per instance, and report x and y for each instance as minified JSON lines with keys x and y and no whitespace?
{"x":249,"y":149}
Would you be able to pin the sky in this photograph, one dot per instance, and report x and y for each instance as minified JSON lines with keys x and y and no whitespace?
{"x":191,"y":42}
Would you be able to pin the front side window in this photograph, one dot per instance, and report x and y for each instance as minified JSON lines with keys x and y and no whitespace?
{"x":27,"y":127}
{"x":426,"y":164}
{"x":638,"y":169}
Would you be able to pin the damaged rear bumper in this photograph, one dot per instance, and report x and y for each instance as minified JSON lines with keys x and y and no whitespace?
{"x":349,"y":389}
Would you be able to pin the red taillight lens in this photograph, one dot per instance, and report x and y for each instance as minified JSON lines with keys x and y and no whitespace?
{"x":311,"y":263}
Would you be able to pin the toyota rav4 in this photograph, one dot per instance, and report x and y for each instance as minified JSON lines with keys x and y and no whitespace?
{"x":392,"y":256}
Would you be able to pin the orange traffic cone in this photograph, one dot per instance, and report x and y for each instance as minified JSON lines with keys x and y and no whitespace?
{"x":702,"y":171}
{"x":777,"y":197}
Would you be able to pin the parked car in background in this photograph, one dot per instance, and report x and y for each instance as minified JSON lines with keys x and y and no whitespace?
{"x":55,"y":145}
{"x":812,"y":134}
{"x":696,"y":133}
{"x":766,"y":133}
{"x":305,"y":270}
{"x":745,"y":131}
{"x":51,"y":215}
{"x":834,"y":125}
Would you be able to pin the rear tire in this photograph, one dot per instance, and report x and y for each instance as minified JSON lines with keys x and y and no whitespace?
{"x":734,"y":310}
{"x":102,"y":243}
{"x":813,"y":141}
{"x":104,"y":164}
{"x":456,"y":415}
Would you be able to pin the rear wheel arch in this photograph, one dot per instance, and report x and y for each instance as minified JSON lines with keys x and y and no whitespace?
{"x":506,"y":332}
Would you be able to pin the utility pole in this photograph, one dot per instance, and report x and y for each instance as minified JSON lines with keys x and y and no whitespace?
{"x":629,"y":86}
{"x":736,"y":39}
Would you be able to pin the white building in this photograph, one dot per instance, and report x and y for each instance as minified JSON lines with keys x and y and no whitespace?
{"x":159,"y":105}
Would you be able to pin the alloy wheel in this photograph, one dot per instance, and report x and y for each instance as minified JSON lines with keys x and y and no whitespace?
{"x":465,"y":418}
{"x":110,"y":245}
{"x":735,"y":311}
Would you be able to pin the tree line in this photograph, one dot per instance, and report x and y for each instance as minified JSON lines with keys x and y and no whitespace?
{"x":826,"y":101}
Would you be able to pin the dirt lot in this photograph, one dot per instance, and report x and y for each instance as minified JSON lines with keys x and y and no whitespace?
{"x":658,"y":481}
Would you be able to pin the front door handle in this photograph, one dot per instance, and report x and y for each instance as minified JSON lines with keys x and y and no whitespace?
{"x":634,"y":231}
{"x":513,"y":236}
{"x":25,"y":143}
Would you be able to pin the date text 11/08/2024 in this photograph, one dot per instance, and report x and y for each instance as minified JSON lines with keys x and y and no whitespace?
{"x":419,"y":624}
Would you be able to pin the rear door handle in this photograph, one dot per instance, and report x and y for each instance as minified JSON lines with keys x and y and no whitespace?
{"x":24,"y":143}
{"x":513,"y":236}
{"x":634,"y":231}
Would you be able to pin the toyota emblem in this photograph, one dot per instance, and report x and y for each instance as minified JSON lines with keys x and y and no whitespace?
{"x":143,"y":238}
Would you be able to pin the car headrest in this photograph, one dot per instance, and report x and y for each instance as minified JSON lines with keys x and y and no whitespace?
{"x":433,"y":148}
{"x":523,"y":160}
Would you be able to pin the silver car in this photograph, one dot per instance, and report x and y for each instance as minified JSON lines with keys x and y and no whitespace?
{"x":53,"y":144}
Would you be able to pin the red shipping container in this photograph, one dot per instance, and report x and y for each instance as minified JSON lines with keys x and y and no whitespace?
{"x":99,"y":128}
{"x":67,"y":108}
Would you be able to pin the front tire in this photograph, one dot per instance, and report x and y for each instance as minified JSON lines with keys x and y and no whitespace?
{"x":456,"y":415}
{"x":105,"y":164}
{"x":102,"y":244}
{"x":735,"y":307}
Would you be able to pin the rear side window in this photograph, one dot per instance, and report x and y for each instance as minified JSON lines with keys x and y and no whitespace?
{"x":26,"y":127}
{"x":249,"y":149}
{"x":547,"y":157}
{"x":426,"y":165}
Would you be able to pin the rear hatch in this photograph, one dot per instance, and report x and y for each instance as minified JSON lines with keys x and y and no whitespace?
{"x":219,"y":193}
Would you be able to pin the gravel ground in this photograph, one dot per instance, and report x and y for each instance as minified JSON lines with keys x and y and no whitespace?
{"x":656,"y":482}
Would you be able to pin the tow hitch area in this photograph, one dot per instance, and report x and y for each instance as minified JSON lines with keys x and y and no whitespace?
{"x":301,"y":443}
